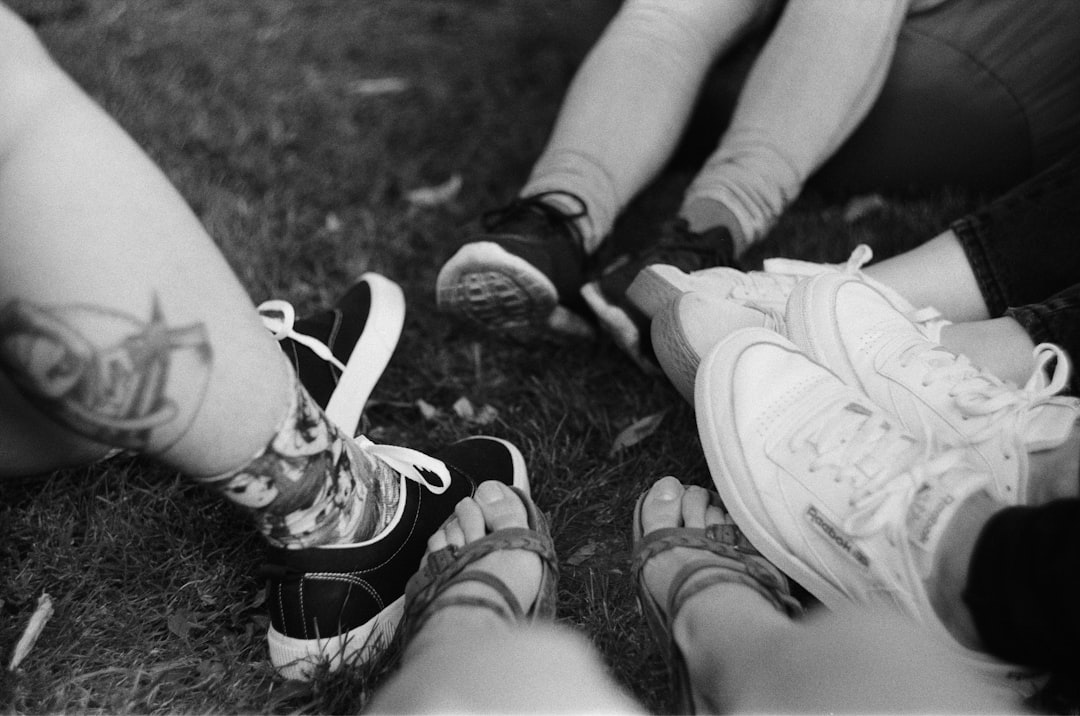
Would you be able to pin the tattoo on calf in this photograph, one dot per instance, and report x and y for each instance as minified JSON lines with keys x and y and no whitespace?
{"x":104,"y":374}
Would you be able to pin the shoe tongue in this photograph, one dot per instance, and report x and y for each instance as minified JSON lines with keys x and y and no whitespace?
{"x":932,"y":509}
{"x":1048,"y":425}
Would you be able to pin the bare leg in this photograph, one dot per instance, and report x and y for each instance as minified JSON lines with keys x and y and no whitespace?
{"x":999,"y":345}
{"x":936,"y":274}
{"x":96,"y":240}
{"x":122,"y":323}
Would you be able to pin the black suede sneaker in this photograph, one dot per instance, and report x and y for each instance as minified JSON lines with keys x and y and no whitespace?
{"x":341,"y":605}
{"x":340,"y":354}
{"x":677,"y":246}
{"x":523,"y":274}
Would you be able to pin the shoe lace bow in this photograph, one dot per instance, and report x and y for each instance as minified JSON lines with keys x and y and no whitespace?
{"x":980,"y":395}
{"x":279,"y":317}
{"x":534,"y":204}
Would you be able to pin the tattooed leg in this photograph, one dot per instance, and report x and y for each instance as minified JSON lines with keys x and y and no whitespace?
{"x":312,"y":484}
{"x":105,"y":374}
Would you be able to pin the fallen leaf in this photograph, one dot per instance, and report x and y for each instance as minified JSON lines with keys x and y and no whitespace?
{"x":464,"y":408}
{"x":862,"y":206}
{"x":435,"y":195}
{"x":38,"y":620}
{"x":582,"y":553}
{"x":377,"y":86}
{"x":486,"y":416}
{"x":429,"y":411}
{"x":637,"y":432}
{"x":181,"y":623}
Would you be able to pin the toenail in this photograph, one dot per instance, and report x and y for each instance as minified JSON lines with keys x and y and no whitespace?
{"x":488,"y":492}
{"x":667,"y":495}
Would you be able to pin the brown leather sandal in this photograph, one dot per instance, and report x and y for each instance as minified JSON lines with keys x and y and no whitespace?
{"x":731,"y":559}
{"x":450,"y":565}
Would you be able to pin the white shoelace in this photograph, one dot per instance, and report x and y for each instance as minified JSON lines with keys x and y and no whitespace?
{"x":412,"y":464}
{"x":281,"y":326}
{"x":980,"y":395}
{"x":880,"y":462}
{"x":279,"y":318}
{"x":779,"y":275}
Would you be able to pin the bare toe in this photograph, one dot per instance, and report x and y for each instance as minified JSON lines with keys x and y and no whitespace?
{"x":470,"y":519}
{"x":662,"y":506}
{"x":695,"y":501}
{"x":500,"y":506}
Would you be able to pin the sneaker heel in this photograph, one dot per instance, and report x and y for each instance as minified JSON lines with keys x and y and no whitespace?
{"x":654,"y":288}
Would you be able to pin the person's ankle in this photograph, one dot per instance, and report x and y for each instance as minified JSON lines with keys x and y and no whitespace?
{"x":720,"y":612}
{"x":949,"y":574}
{"x":1055,"y":473}
{"x":722,"y":632}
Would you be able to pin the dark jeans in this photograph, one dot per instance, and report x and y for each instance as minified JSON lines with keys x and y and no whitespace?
{"x":1024,"y":249}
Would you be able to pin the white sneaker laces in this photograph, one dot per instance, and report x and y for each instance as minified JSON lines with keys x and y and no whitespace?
{"x":980,"y":395}
{"x":878,"y":460}
{"x":785,"y":273}
{"x":412,"y":464}
{"x":279,"y":317}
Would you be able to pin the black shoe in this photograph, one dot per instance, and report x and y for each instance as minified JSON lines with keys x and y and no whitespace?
{"x":341,"y":605}
{"x":522,"y":275}
{"x":677,"y":246}
{"x":340,"y":354}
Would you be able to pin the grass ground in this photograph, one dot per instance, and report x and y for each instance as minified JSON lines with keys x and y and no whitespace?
{"x":256,"y":109}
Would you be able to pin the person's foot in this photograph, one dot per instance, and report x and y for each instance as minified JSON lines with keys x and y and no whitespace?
{"x":670,"y":505}
{"x":690,"y":557}
{"x":677,"y":246}
{"x":341,"y":604}
{"x":483,"y":543}
{"x":340,"y":354}
{"x":522,"y":274}
{"x":851,"y":328}
{"x":827,"y":485}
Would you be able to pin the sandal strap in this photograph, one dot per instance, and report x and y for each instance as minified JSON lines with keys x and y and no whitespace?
{"x":451,"y":566}
{"x":738,"y":557}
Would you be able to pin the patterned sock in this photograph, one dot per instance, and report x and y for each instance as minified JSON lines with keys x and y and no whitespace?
{"x":312,"y":484}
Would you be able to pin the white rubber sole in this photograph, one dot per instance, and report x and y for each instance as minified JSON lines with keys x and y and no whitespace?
{"x":488,"y":285}
{"x":370,"y":355}
{"x":300,"y":658}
